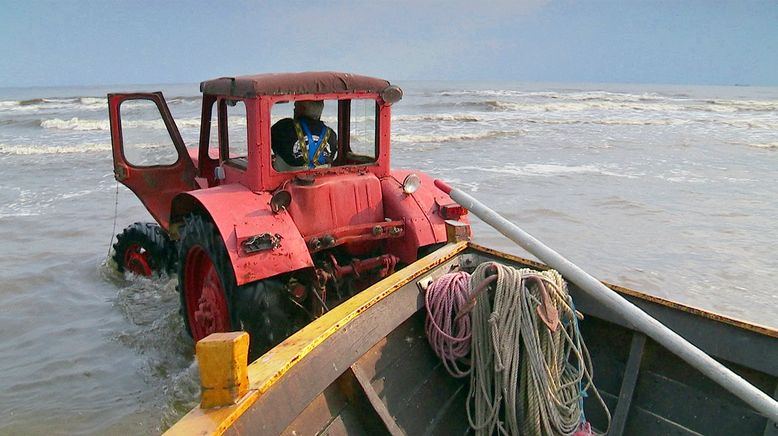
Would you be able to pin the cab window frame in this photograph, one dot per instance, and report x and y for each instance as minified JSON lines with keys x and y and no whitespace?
{"x":343,"y":113}
{"x":223,"y":115}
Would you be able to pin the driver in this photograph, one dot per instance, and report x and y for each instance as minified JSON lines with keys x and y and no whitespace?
{"x":304,"y":141}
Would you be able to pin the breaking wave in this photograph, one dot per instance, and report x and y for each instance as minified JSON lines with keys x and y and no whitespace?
{"x":767,"y":145}
{"x":76,"y":123}
{"x":89,"y":103}
{"x":405,"y":138}
{"x":53,"y":104}
{"x":438,"y":117}
{"x":547,"y":170}
{"x":80,"y":124}
{"x":28,"y":149}
{"x":550,"y":101}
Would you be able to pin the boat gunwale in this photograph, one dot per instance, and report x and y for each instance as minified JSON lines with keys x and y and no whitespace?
{"x":269,"y":368}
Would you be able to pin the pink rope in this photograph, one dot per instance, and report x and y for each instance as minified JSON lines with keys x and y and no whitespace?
{"x":449,"y":337}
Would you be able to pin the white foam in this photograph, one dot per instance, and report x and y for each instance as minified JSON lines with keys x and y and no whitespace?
{"x":30,"y":149}
{"x":547,"y":170}
{"x":765,"y":145}
{"x":79,"y":124}
{"x":403,"y":138}
{"x":437,"y":117}
{"x":73,"y":104}
{"x":76,"y":123}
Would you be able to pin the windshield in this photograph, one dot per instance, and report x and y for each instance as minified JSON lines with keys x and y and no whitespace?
{"x":311,"y":134}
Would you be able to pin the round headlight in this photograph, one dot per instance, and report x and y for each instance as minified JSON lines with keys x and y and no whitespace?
{"x":392,"y":94}
{"x":411,"y":183}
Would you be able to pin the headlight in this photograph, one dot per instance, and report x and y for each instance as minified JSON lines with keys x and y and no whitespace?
{"x":411,"y":183}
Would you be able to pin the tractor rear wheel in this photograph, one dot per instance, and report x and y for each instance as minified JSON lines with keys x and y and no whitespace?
{"x":211,"y":301}
{"x":143,"y":249}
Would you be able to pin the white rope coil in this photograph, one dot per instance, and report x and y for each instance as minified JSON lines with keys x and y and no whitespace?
{"x":530,"y":366}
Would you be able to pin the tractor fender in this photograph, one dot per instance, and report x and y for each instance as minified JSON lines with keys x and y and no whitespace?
{"x":419,"y":211}
{"x":240,"y":214}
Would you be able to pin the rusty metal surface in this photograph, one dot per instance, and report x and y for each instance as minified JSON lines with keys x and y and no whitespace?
{"x":240,"y":215}
{"x":292,"y":83}
{"x":333,"y":202}
{"x":423,"y":223}
{"x":154,"y":185}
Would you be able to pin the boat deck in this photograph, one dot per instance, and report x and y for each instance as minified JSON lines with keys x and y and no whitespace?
{"x":366,"y":368}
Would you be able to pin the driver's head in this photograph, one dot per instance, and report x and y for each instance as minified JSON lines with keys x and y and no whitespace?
{"x":308,"y":108}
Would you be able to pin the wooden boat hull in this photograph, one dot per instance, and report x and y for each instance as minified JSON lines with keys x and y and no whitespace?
{"x":366,"y":368}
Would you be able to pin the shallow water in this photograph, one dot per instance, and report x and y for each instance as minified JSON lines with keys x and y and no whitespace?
{"x":668,"y":190}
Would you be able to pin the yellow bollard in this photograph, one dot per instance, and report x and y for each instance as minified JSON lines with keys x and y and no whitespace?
{"x":222,"y":360}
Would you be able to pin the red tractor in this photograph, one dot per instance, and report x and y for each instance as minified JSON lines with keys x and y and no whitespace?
{"x":263,"y":242}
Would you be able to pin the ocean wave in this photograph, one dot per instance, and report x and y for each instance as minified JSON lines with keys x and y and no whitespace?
{"x":76,"y":123}
{"x":84,"y":103}
{"x":746,"y":105}
{"x":648,"y":99}
{"x":188,"y":99}
{"x":767,"y":145}
{"x":553,"y":101}
{"x":30,"y":149}
{"x":438,"y":117}
{"x":489,"y":134}
{"x":81,"y":124}
{"x":751,"y":123}
{"x":547,"y":170}
{"x":54,"y":104}
{"x":93,"y":101}
{"x":561,"y":106}
{"x":609,"y":121}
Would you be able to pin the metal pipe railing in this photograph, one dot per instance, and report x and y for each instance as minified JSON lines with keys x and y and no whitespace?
{"x":615,"y":302}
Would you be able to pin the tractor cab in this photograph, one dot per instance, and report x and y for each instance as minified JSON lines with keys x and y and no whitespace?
{"x":287,"y":206}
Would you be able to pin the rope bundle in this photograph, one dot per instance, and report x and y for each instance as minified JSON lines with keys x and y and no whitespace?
{"x":530,"y":367}
{"x":449,"y":337}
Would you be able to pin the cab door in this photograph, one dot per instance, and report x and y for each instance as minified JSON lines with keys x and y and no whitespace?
{"x":149,"y":155}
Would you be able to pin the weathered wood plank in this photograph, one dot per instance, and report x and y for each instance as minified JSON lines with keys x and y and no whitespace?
{"x":375,"y":402}
{"x":323,"y":365}
{"x":628,"y":384}
{"x":319,"y":414}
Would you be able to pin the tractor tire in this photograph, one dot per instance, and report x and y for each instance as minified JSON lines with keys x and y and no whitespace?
{"x":211,"y":301}
{"x":144,"y":249}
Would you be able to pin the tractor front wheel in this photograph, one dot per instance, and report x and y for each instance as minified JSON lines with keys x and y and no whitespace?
{"x":143,"y":249}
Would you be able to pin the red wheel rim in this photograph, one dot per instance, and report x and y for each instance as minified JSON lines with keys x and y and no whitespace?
{"x":206,"y":306}
{"x":136,"y":260}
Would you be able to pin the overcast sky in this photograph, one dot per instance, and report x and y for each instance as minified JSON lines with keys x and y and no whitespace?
{"x":108,"y":42}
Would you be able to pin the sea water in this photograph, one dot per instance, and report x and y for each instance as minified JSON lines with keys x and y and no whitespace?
{"x":666,"y":189}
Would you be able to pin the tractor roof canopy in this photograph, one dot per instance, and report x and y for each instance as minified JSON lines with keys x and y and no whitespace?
{"x":324,"y":82}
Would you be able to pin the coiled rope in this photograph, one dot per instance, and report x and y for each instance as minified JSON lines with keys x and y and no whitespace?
{"x":449,"y":337}
{"x":530,"y":367}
